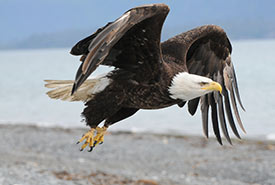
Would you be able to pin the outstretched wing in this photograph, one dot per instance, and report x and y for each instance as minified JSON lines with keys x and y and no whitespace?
{"x":206,"y":51}
{"x":131,"y":42}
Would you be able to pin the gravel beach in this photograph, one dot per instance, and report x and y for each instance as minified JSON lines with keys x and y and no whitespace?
{"x":31,"y":155}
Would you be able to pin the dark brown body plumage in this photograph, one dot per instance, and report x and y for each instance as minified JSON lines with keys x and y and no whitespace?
{"x":145,"y":68}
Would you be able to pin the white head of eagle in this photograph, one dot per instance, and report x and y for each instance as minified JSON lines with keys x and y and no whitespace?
{"x":187,"y":86}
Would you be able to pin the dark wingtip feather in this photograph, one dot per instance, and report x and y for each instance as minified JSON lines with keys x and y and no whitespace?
{"x":219,"y":139}
{"x":181,"y":104}
{"x":229,"y":114}
{"x":235,"y":85}
{"x":239,"y":97}
{"x":205,"y":125}
{"x":233,"y":101}
{"x":79,"y":79}
{"x":193,"y":105}
{"x":73,"y":89}
{"x":215,"y":118}
{"x":229,"y":141}
{"x":222,"y":119}
{"x":204,"y":114}
{"x":219,"y":100}
{"x":71,"y":52}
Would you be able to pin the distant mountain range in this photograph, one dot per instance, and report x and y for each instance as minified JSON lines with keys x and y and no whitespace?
{"x":52,"y":24}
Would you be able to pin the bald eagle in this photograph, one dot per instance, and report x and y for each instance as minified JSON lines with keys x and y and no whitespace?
{"x":192,"y":67}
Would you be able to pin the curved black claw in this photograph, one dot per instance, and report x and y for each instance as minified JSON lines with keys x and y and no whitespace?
{"x":77,"y":142}
{"x":100,"y":143}
{"x":91,"y":149}
{"x":81,"y":149}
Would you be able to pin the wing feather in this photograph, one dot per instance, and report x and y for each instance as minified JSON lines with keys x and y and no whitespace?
{"x":229,"y":114}
{"x":235,"y":85}
{"x":221,"y":117}
{"x":193,"y":105}
{"x":214,"y":117}
{"x":206,"y":51}
{"x":122,"y":38}
{"x":230,"y":81}
{"x":218,"y":100}
{"x":204,"y":113}
{"x":234,"y":104}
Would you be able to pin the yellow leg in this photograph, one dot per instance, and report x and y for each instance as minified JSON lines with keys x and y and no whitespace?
{"x":92,"y":140}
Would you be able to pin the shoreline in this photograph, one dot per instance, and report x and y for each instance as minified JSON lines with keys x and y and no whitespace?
{"x":48,"y":156}
{"x":264,"y":137}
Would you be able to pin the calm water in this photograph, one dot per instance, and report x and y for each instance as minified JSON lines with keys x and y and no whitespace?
{"x":23,"y":99}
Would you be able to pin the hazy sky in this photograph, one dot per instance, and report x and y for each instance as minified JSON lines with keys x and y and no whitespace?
{"x":22,"y":18}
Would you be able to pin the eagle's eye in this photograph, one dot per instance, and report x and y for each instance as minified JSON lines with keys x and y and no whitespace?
{"x":203,"y":83}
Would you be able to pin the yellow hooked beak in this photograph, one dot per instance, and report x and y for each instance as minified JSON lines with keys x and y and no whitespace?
{"x":213,"y":86}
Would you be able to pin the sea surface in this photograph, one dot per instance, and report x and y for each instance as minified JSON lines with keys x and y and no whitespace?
{"x":23,"y":99}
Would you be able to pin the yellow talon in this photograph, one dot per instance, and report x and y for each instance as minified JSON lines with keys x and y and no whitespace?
{"x":89,"y":139}
{"x":92,"y":140}
{"x":84,"y":145}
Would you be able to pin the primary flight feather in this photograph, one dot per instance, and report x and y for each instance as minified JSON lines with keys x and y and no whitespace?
{"x":193,"y":67}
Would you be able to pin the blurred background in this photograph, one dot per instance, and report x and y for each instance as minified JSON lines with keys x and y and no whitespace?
{"x":36,"y":37}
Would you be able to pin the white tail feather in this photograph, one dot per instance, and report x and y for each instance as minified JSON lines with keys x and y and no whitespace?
{"x":62,"y":89}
